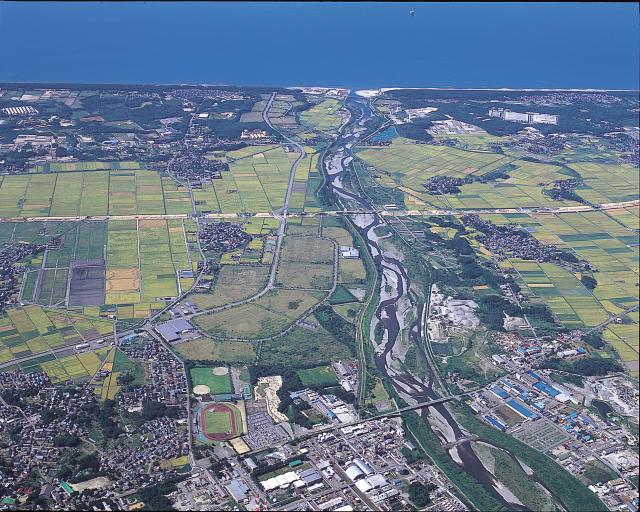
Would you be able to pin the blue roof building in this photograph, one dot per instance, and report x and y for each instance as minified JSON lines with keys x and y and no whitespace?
{"x":546,"y":389}
{"x":499,"y":392}
{"x":533,"y":374}
{"x":523,"y":411}
{"x":495,"y":422}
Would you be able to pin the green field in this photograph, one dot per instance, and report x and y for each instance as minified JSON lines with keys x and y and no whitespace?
{"x":98,"y":192}
{"x":266,"y":316}
{"x":324,"y":116}
{"x":143,"y":260}
{"x":301,"y":347}
{"x":257,"y":181}
{"x":218,"y":384}
{"x":405,"y":167}
{"x":205,"y":349}
{"x":319,"y":376}
{"x":76,"y":367}
{"x":233,"y":283}
{"x":217,"y":422}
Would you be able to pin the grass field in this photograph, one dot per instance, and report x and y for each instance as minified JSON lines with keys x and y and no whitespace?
{"x":319,"y":376}
{"x":205,"y":349}
{"x":217,"y":422}
{"x":233,"y":283}
{"x":218,"y":384}
{"x":301,"y":347}
{"x":266,"y":316}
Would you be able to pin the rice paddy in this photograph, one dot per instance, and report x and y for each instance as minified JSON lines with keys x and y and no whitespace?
{"x":324,"y":116}
{"x":144,"y":258}
{"x":93,"y":193}
{"x":33,"y":330}
{"x":599,"y":238}
{"x":405,"y":167}
{"x":257,"y":181}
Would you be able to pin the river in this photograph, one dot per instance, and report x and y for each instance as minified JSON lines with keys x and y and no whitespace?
{"x":398,"y":302}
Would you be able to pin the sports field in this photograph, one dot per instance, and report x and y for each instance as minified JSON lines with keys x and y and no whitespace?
{"x":218,"y":422}
{"x":213,"y":378}
{"x":205,"y":349}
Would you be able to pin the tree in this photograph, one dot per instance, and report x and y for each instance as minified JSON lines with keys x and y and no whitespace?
{"x":419,"y":494}
{"x":588,"y":281}
{"x":66,"y":440}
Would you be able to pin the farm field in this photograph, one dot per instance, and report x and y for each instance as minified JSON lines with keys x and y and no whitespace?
{"x":409,"y":166}
{"x":233,"y":283}
{"x":75,"y":367}
{"x":33,"y":330}
{"x":46,"y":281}
{"x":257,"y":181}
{"x":607,"y":183}
{"x":143,"y":260}
{"x":91,"y":192}
{"x":323,"y":117}
{"x":599,"y":238}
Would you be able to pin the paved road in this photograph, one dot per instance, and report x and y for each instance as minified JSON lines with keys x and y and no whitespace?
{"x":384,"y":213}
{"x":335,"y":426}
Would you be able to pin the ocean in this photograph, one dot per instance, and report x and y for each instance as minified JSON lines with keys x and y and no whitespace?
{"x":354,"y":45}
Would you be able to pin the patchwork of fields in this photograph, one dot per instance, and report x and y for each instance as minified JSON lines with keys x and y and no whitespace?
{"x":135,"y":264}
{"x":257,"y":182}
{"x":407,"y":166}
{"x":95,"y":193}
{"x":324,"y":116}
{"x":604,"y":240}
{"x":143,"y":261}
{"x":34,"y":330}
